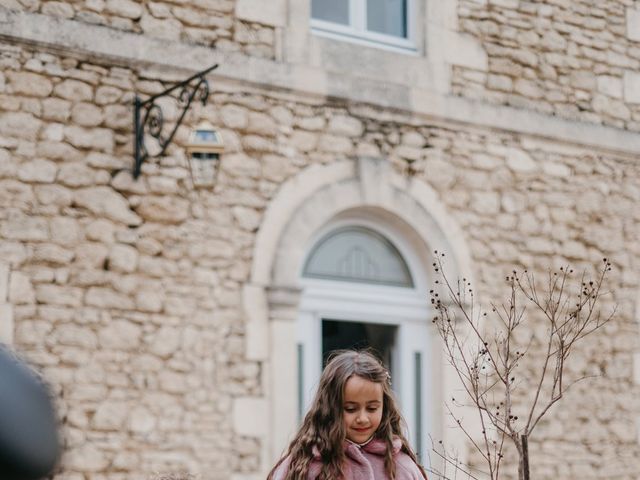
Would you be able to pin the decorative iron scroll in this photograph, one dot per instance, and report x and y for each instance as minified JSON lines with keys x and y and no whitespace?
{"x":148,"y":117}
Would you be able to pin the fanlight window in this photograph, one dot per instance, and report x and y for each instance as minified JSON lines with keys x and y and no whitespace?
{"x":358,"y":254}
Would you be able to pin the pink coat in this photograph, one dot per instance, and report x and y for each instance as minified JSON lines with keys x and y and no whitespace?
{"x":364,"y":463}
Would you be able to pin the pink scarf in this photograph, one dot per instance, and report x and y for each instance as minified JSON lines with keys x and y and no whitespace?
{"x":364,"y":463}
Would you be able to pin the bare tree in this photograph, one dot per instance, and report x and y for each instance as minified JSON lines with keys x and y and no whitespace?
{"x":487,"y":350}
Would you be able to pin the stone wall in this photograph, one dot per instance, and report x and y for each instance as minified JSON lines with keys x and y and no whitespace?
{"x":573,"y":59}
{"x":210,"y":23}
{"x":126,"y":294}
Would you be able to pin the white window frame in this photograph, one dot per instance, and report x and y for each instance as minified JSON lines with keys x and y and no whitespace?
{"x":403,"y":307}
{"x":357,"y":32}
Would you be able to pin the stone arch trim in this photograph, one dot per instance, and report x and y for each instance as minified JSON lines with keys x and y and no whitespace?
{"x":309,"y":200}
{"x":303,"y":205}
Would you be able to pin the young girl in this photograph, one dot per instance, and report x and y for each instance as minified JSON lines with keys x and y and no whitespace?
{"x":353,"y":430}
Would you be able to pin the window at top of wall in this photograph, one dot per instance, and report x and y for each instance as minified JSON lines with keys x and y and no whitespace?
{"x":383,"y":23}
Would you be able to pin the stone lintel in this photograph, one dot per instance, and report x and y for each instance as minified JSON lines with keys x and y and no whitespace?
{"x":266,"y":13}
{"x":98,"y":43}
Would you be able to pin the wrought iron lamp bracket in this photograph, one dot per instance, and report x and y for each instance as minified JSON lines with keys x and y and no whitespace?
{"x":148,"y":117}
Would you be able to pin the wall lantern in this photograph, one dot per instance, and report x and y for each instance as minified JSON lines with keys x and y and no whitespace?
{"x":204,"y":149}
{"x":149,"y":120}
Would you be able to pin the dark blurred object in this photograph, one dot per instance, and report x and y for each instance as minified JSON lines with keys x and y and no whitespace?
{"x":29,"y":445}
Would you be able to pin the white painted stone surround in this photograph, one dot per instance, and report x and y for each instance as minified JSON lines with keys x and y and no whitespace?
{"x":426,"y":97}
{"x":6,"y":310}
{"x":271,"y":298}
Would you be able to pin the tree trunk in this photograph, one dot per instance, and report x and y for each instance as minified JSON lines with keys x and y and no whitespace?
{"x":523,"y":470}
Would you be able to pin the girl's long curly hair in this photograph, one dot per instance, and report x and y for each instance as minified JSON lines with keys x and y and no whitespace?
{"x":322,"y":432}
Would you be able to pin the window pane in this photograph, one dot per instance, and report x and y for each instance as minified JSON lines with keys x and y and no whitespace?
{"x":357,"y":254}
{"x":336,"y":11}
{"x":387,"y":16}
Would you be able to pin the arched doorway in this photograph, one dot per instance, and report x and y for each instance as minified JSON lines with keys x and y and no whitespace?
{"x":364,"y":287}
{"x":365,"y":192}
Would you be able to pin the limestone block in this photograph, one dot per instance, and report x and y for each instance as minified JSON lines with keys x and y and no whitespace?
{"x":612,"y":107}
{"x":165,"y":342}
{"x":347,"y":126}
{"x":554,"y":41}
{"x":141,"y":420}
{"x":19,"y":125}
{"x":20,"y":289}
{"x":182,"y":305}
{"x":513,"y":4}
{"x":86,"y":458}
{"x":58,"y":9}
{"x":90,"y":138}
{"x":163,"y":209}
{"x":86,"y":115}
{"x":30,"y":84}
{"x":610,"y":85}
{"x":633,"y":24}
{"x":248,"y":218}
{"x":249,"y":416}
{"x":125,"y":461}
{"x":110,"y":415}
{"x":76,"y":174}
{"x":120,"y":335}
{"x":117,"y":116}
{"x":124,"y":8}
{"x":413,"y":139}
{"x":500,"y":82}
{"x":485,"y":202}
{"x":311,"y":123}
{"x":527,"y":88}
{"x":234,"y":116}
{"x":583,"y":79}
{"x":106,"y":94}
{"x":123,"y":258}
{"x":163,"y":185}
{"x":54,"y":195}
{"x":54,"y":132}
{"x":59,"y":295}
{"x":265,"y":13}
{"x":282,"y":115}
{"x":540,"y":245}
{"x":24,"y":228}
{"x":103,"y":201}
{"x":304,"y":141}
{"x":37,"y":170}
{"x":6,"y":323}
{"x":149,"y":246}
{"x":74,"y":90}
{"x":107,"y":298}
{"x":631,"y":81}
{"x":7,"y":166}
{"x":172,"y":382}
{"x":101,"y":230}
{"x":520,"y":161}
{"x":556,"y":169}
{"x":54,"y":254}
{"x":169,"y":28}
{"x":13,"y":253}
{"x":149,"y":301}
{"x":261,"y":124}
{"x":334,"y":144}
{"x":101,"y":160}
{"x":123,"y":181}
